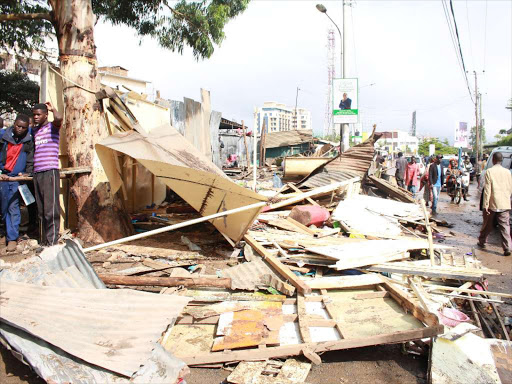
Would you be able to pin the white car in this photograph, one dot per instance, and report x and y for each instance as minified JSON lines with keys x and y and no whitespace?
{"x":419,"y":161}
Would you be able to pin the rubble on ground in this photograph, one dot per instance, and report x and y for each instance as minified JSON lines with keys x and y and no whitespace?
{"x":314,"y":266}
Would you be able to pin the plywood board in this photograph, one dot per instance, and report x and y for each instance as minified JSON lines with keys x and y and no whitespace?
{"x":166,"y":154}
{"x":370,"y":317}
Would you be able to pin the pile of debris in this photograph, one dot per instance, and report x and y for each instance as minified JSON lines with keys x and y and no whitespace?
{"x":323,"y":265}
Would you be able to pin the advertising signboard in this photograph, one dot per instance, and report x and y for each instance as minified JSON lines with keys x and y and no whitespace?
{"x":461,"y":135}
{"x":345,"y":101}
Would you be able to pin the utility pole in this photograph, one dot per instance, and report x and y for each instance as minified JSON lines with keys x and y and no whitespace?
{"x":482,"y":122}
{"x":344,"y":131}
{"x":477,"y":130}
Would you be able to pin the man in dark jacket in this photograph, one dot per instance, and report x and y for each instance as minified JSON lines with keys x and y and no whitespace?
{"x":400,"y":165}
{"x":16,"y":159}
{"x":436,"y":180}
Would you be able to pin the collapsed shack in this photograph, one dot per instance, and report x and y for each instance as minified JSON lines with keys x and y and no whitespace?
{"x":326,"y":266}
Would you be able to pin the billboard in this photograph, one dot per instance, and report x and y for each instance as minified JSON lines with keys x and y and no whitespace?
{"x":345,"y":101}
{"x":461,"y":135}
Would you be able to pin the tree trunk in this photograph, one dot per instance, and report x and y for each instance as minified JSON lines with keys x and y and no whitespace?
{"x":101,"y":216}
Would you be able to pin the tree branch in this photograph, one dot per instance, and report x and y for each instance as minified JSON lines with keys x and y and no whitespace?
{"x":26,"y":16}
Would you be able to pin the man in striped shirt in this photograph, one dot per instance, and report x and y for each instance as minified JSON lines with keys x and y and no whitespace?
{"x":46,"y":171}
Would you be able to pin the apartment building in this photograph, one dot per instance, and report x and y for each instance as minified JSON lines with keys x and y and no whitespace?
{"x":279,"y":118}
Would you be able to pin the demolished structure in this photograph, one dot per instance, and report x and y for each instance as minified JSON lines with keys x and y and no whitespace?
{"x":339,"y":260}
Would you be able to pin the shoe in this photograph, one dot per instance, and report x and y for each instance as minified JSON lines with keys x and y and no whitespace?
{"x":480,"y":245}
{"x":11,"y":246}
{"x":426,"y":204}
{"x":506,"y":253}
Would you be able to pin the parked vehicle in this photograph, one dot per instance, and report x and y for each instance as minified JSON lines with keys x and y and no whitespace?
{"x":420,"y":163}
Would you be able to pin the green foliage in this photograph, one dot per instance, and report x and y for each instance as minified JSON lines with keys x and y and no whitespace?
{"x":198,"y":24}
{"x":25,"y":36}
{"x":19,"y":93}
{"x":472,"y":138}
{"x":505,"y":141}
{"x":442,"y":147}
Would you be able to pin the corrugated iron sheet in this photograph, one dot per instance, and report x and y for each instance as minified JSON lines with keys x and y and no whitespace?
{"x":114,"y":329}
{"x":354,"y":162}
{"x":66,"y":266}
{"x":252,"y":275}
{"x":284,"y":138}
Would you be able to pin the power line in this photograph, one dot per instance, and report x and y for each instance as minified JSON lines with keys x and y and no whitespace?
{"x":456,"y":42}
{"x":450,"y":29}
{"x":460,"y":48}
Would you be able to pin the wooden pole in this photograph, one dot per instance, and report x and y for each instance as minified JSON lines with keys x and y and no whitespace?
{"x":262,"y":145}
{"x":313,"y":192}
{"x":166,"y":281}
{"x":254,"y":157}
{"x":429,"y":233}
{"x":134,"y":183}
{"x":245,"y":144}
{"x":175,"y":226}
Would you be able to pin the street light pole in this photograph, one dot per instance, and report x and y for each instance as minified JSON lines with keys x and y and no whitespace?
{"x":321,"y":8}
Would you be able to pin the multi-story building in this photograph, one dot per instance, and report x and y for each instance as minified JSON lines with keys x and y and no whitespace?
{"x":398,"y":141}
{"x":278,"y":118}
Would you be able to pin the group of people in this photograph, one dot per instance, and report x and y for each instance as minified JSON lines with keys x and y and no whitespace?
{"x":496,"y":187}
{"x":30,"y":147}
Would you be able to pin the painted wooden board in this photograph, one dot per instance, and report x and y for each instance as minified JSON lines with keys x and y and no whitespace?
{"x":249,"y":327}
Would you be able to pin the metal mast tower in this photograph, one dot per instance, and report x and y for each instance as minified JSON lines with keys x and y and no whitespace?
{"x":328,"y":120}
{"x":413,"y":126}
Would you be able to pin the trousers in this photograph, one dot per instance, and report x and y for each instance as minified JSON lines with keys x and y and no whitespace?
{"x":47,"y":190}
{"x":435,"y":197}
{"x":503,"y":225}
{"x":10,"y":203}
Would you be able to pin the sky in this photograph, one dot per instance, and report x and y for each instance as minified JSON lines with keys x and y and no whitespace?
{"x":403,"y":48}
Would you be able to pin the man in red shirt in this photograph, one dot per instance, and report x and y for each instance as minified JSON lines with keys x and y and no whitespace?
{"x":16,"y":159}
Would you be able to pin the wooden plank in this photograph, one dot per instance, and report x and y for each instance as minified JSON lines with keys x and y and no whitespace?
{"x":442,"y":273}
{"x":282,"y":269}
{"x":302,"y":315}
{"x":372,"y":295}
{"x":165,"y":281}
{"x":294,"y":350}
{"x":301,"y":226}
{"x":292,"y":186}
{"x":405,"y":301}
{"x":429,"y":233}
{"x":341,"y":282}
{"x":473,"y":291}
{"x":314,"y":192}
{"x":331,"y":312}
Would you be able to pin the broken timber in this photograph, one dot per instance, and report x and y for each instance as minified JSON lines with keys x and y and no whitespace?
{"x":166,"y":281}
{"x":282,"y":269}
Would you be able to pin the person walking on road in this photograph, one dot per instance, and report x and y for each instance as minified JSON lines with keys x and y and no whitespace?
{"x":436,"y":179}
{"x":496,"y":203}
{"x":411,"y":176}
{"x":425,"y":184}
{"x":401,"y":165}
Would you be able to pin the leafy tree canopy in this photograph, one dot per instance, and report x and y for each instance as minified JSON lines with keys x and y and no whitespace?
{"x":19,"y":93}
{"x":199,"y":24}
{"x":442,"y":147}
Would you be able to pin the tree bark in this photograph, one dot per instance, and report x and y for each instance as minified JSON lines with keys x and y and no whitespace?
{"x":101,"y":216}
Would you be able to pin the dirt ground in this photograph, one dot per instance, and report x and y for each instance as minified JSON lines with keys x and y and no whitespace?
{"x":381,"y":364}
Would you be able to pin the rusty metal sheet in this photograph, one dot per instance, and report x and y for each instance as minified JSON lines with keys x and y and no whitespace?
{"x":250,"y":327}
{"x":66,"y":266}
{"x":175,"y":162}
{"x":285,"y":138}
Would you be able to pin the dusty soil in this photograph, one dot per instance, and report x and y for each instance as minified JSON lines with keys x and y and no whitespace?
{"x":381,"y":364}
